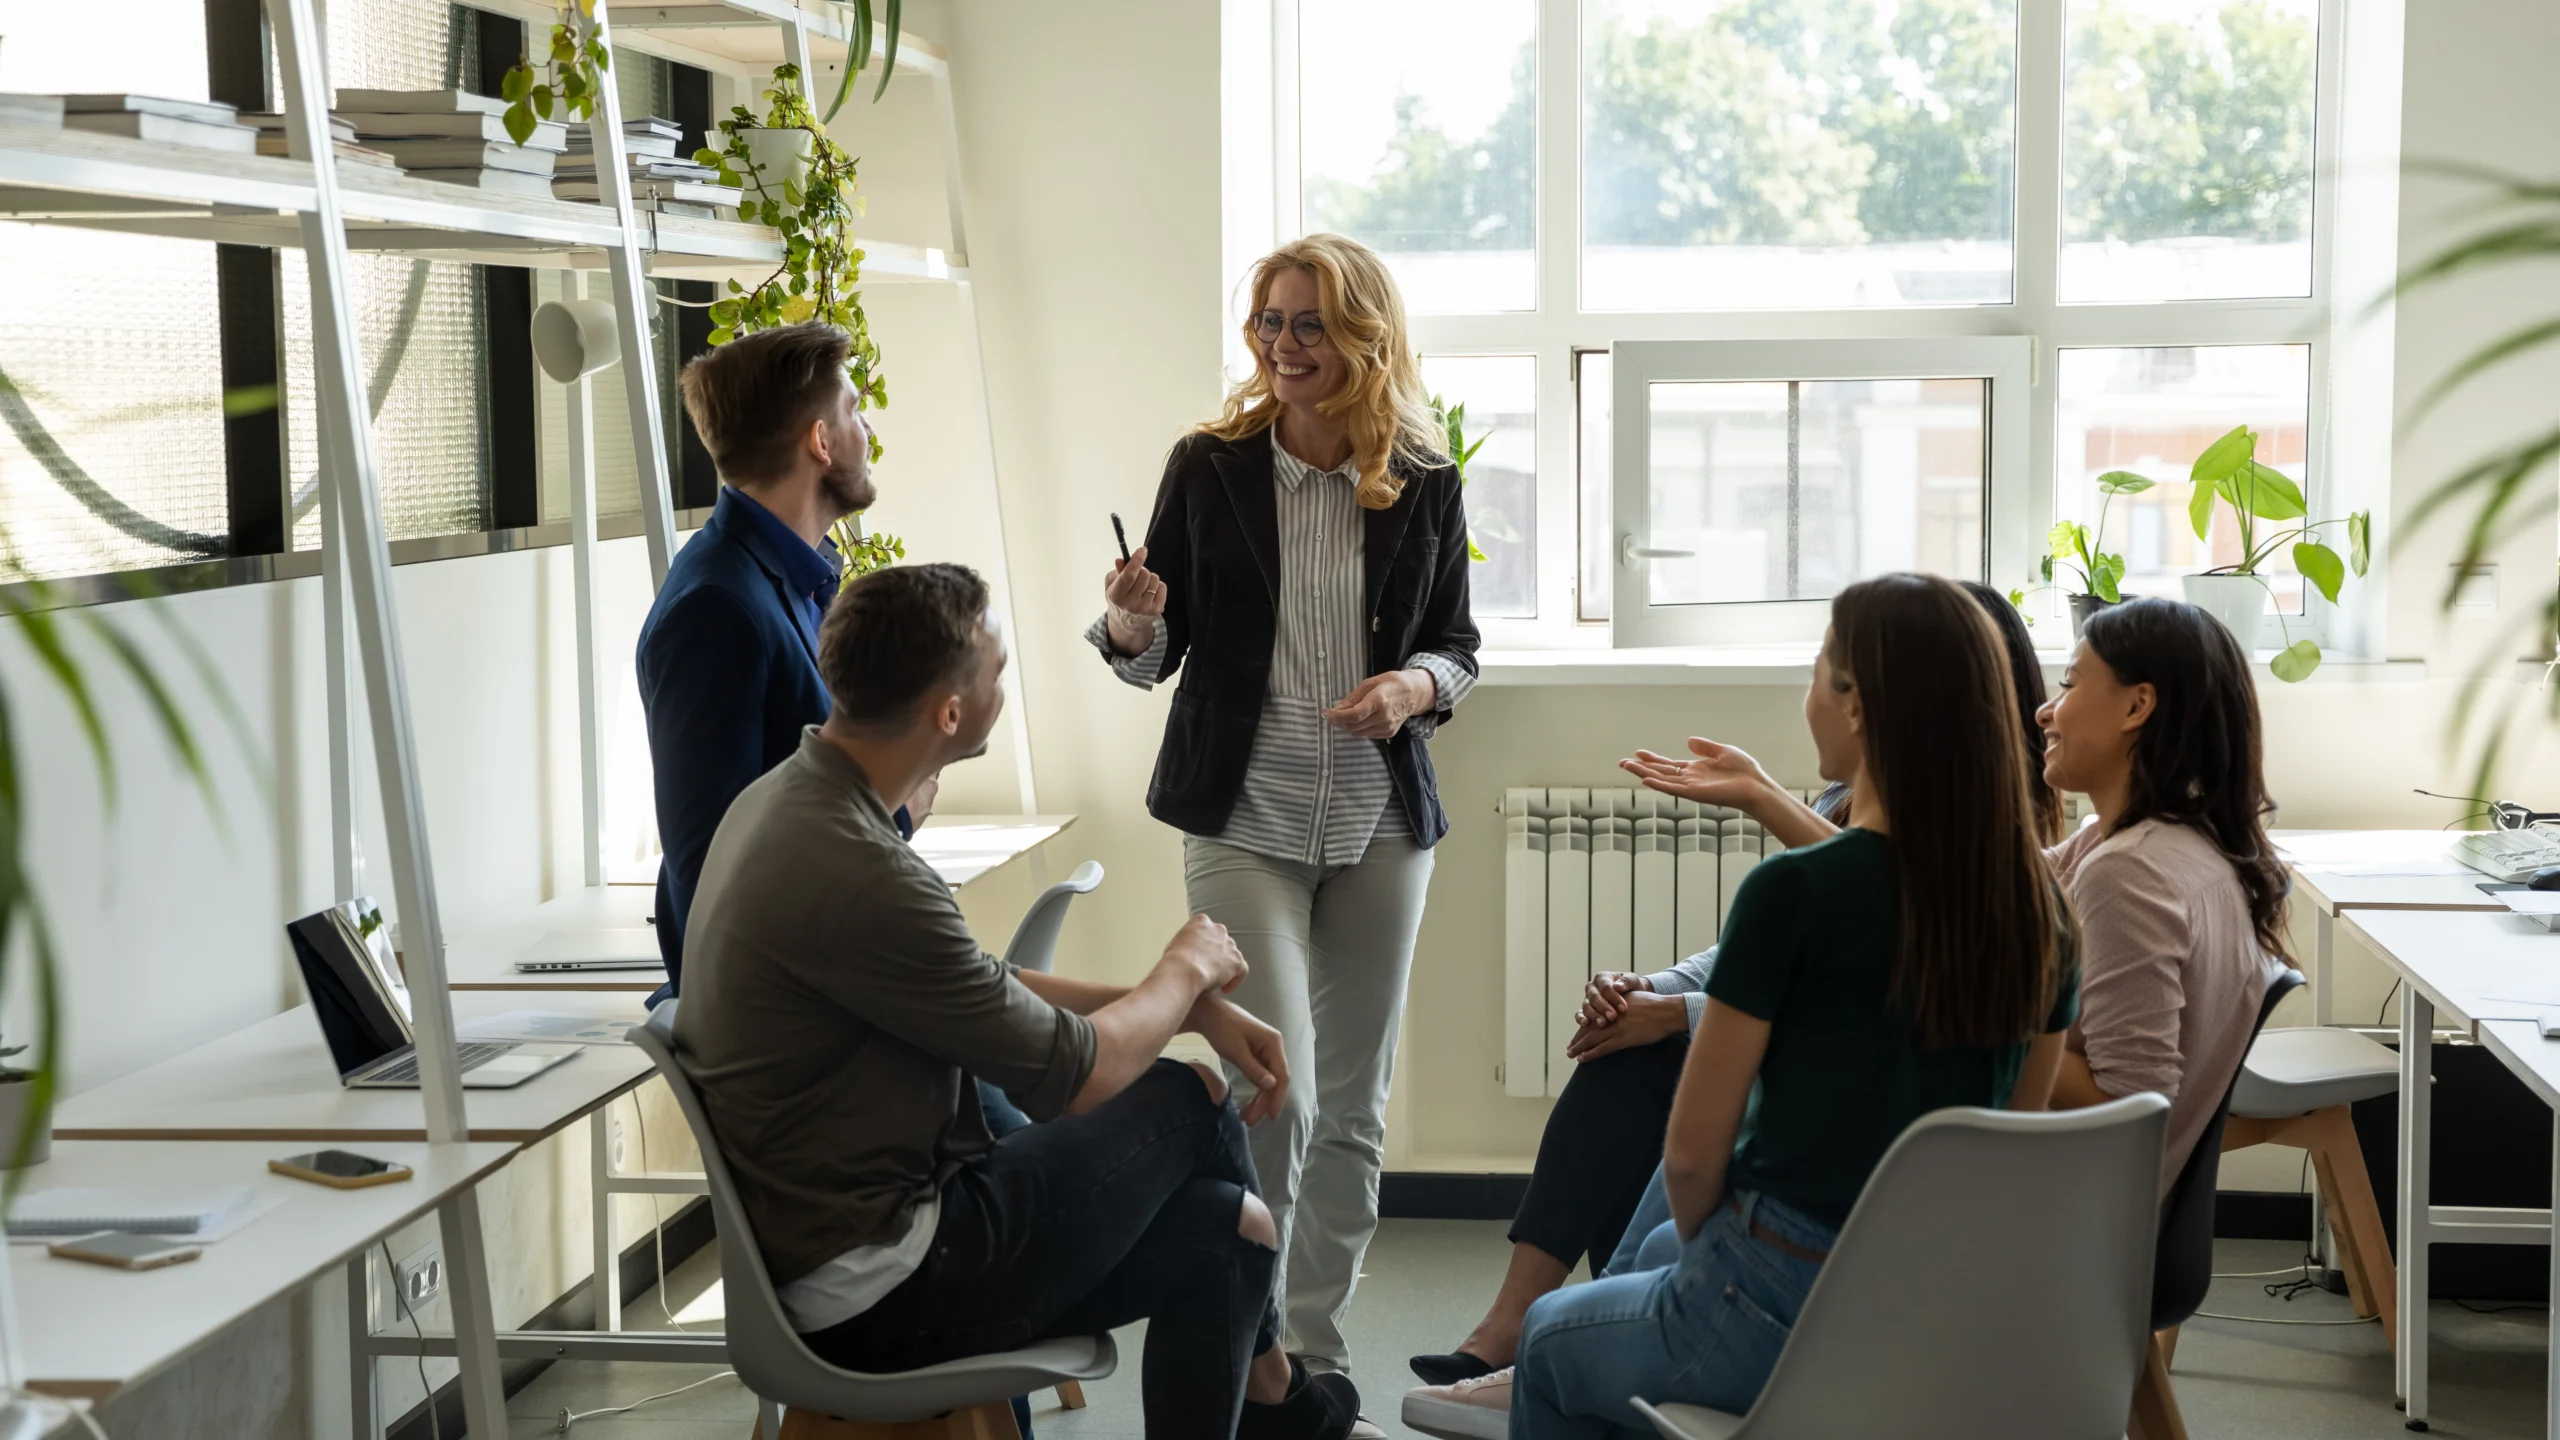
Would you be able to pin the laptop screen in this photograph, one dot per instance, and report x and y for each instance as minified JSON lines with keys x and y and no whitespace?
{"x":354,"y":988}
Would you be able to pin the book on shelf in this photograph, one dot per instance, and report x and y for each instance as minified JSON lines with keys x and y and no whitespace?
{"x":574,"y":168}
{"x":636,"y":147}
{"x":202,"y":112}
{"x":21,"y":109}
{"x":143,"y":125}
{"x":651,"y":127}
{"x":416,"y":102}
{"x":464,"y":155}
{"x":269,"y":122}
{"x":691,"y":192}
{"x":468,"y":125}
{"x":493,"y":182}
{"x":686,"y":209}
{"x":274,"y":142}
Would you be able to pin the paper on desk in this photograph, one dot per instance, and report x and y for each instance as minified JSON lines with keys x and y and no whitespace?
{"x":535,"y":1025}
{"x":2530,"y":902}
{"x":2384,"y":851}
{"x":2382,"y":869}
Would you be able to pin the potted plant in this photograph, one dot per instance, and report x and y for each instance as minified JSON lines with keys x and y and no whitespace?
{"x":1453,"y":419}
{"x":2080,"y":549}
{"x":26,"y":1134}
{"x":814,"y":209}
{"x":572,"y":74}
{"x":2230,"y":473}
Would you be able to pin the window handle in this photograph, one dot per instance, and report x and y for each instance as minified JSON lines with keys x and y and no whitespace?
{"x":1629,"y":552}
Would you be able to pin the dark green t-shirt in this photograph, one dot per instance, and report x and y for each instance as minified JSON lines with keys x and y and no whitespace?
{"x":1809,"y":947}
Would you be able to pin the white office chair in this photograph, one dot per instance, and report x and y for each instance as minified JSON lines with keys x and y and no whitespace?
{"x":970,"y":1397}
{"x":1035,"y":941}
{"x":1994,"y":1279}
{"x":2295,"y":1089}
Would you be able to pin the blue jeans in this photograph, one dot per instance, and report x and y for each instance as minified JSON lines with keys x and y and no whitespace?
{"x":1003,"y":1118}
{"x":1705,"y":1329}
{"x":1637,"y":1249}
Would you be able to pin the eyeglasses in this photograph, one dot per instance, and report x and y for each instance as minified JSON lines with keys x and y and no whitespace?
{"x":1308,"y":328}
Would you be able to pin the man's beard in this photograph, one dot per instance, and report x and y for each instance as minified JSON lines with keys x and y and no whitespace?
{"x":848,"y":485}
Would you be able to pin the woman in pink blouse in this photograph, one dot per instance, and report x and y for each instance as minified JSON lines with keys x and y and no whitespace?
{"x":2179,"y":891}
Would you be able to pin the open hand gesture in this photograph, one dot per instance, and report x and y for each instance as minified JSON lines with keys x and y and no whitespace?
{"x":1720,"y":775}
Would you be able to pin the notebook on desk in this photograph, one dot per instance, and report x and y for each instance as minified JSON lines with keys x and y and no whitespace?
{"x":634,"y":948}
{"x":363,"y":1008}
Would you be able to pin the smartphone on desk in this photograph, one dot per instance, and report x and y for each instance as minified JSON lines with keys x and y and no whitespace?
{"x":126,"y":1251}
{"x":340,"y":1169}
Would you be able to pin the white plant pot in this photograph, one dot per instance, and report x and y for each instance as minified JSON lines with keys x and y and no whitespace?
{"x":14,"y":1098}
{"x":779,"y":157}
{"x":2238,"y":601}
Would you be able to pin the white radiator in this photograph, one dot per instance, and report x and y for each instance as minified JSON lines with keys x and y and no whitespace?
{"x":1597,"y":880}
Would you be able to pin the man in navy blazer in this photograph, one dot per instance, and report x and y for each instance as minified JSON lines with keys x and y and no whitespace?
{"x":729,"y":654}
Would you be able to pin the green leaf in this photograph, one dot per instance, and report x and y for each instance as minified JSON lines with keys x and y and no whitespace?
{"x":857,"y":53}
{"x":1475,"y":554}
{"x":2224,"y":457}
{"x":2359,"y":541}
{"x":2269,"y":492}
{"x":2321,"y":566}
{"x":2295,"y":662}
{"x":241,"y":401}
{"x":2200,"y":506}
{"x":519,"y":120}
{"x":721,"y":336}
{"x":517,"y":82}
{"x":541,"y":98}
{"x":888,"y":63}
{"x":2106,"y":577}
{"x":2045,"y":566}
{"x":2018,"y":598}
{"x":706,"y":156}
{"x":604,"y":57}
{"x":2124,"y":482}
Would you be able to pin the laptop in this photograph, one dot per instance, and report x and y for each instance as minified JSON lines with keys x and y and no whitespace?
{"x":363,"y":1004}
{"x":635,"y":948}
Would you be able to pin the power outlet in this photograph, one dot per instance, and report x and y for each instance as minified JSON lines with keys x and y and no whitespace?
{"x":419,"y":1280}
{"x":615,"y":1143}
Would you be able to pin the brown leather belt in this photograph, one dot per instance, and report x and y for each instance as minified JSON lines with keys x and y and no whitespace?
{"x":1776,"y":1241}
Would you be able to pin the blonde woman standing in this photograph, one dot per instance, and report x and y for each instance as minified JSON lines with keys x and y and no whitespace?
{"x":1306,"y":572}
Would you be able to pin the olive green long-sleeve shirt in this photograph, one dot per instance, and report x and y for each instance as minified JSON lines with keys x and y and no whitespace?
{"x":835,"y":1005}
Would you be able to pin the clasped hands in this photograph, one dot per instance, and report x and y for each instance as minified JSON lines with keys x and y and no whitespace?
{"x":1375,"y":709}
{"x":1620,"y":1011}
{"x":1247,"y":1043}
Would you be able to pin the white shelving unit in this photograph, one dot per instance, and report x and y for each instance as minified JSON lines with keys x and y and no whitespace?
{"x":103,"y":182}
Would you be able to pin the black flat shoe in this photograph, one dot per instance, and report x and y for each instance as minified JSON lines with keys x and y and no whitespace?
{"x":1317,"y":1407}
{"x":1451,"y":1368}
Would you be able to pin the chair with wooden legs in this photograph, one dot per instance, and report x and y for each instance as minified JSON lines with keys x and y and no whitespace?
{"x":2295,"y":1090}
{"x":2182,"y":1265}
{"x":966,"y":1399}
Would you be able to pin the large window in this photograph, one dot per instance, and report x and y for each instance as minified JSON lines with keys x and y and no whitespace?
{"x":2126,"y":190}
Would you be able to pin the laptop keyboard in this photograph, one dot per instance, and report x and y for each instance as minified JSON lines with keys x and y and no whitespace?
{"x":470,"y":1054}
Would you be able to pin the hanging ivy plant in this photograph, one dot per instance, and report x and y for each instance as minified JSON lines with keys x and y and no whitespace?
{"x":571,"y":77}
{"x":821,"y":265}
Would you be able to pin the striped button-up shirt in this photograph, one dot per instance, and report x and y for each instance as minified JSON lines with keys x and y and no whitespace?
{"x":1312,"y":792}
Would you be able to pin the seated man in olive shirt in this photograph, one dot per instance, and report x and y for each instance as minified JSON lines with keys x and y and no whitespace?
{"x":835,"y":1005}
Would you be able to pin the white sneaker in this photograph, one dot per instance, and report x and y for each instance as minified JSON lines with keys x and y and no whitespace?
{"x":1478,"y":1409}
{"x":1365,"y":1429}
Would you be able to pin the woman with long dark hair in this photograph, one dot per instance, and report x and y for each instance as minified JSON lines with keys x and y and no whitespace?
{"x":2179,"y":891}
{"x":1918,"y":959}
{"x":1594,"y":1189}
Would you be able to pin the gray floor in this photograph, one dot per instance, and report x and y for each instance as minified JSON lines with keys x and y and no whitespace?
{"x":1428,"y":1279}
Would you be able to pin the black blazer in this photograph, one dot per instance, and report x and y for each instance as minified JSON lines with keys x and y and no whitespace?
{"x":1215,"y":541}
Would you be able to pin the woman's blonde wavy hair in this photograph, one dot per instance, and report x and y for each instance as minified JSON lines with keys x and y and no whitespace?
{"x":1382,"y":400}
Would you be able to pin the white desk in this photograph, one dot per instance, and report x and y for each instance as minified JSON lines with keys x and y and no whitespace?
{"x":91,"y":1330}
{"x":2333,"y":870}
{"x":2480,"y":967}
{"x":2519,"y":1045}
{"x":963,"y":848}
{"x":275,"y":1081}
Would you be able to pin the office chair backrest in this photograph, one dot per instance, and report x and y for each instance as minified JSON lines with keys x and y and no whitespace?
{"x":767,"y":1354}
{"x":1035,"y":941}
{"x":1992,"y":1280}
{"x":2184,"y":1267}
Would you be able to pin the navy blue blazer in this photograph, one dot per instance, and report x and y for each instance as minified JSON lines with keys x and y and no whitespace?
{"x":728,"y":677}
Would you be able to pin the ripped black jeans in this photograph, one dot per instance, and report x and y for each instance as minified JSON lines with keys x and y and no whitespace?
{"x":1087,"y":1223}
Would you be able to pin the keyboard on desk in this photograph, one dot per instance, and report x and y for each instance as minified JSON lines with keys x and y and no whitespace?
{"x":2509,"y":855}
{"x":468,"y":1054}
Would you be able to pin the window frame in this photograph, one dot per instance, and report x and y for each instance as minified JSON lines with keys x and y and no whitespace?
{"x":1637,"y":365}
{"x":1557,"y":327}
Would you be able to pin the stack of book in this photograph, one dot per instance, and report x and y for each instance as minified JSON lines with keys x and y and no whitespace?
{"x":200,"y":124}
{"x":39,"y":110}
{"x":342,"y":137}
{"x":660,"y":179}
{"x":454,"y":136}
